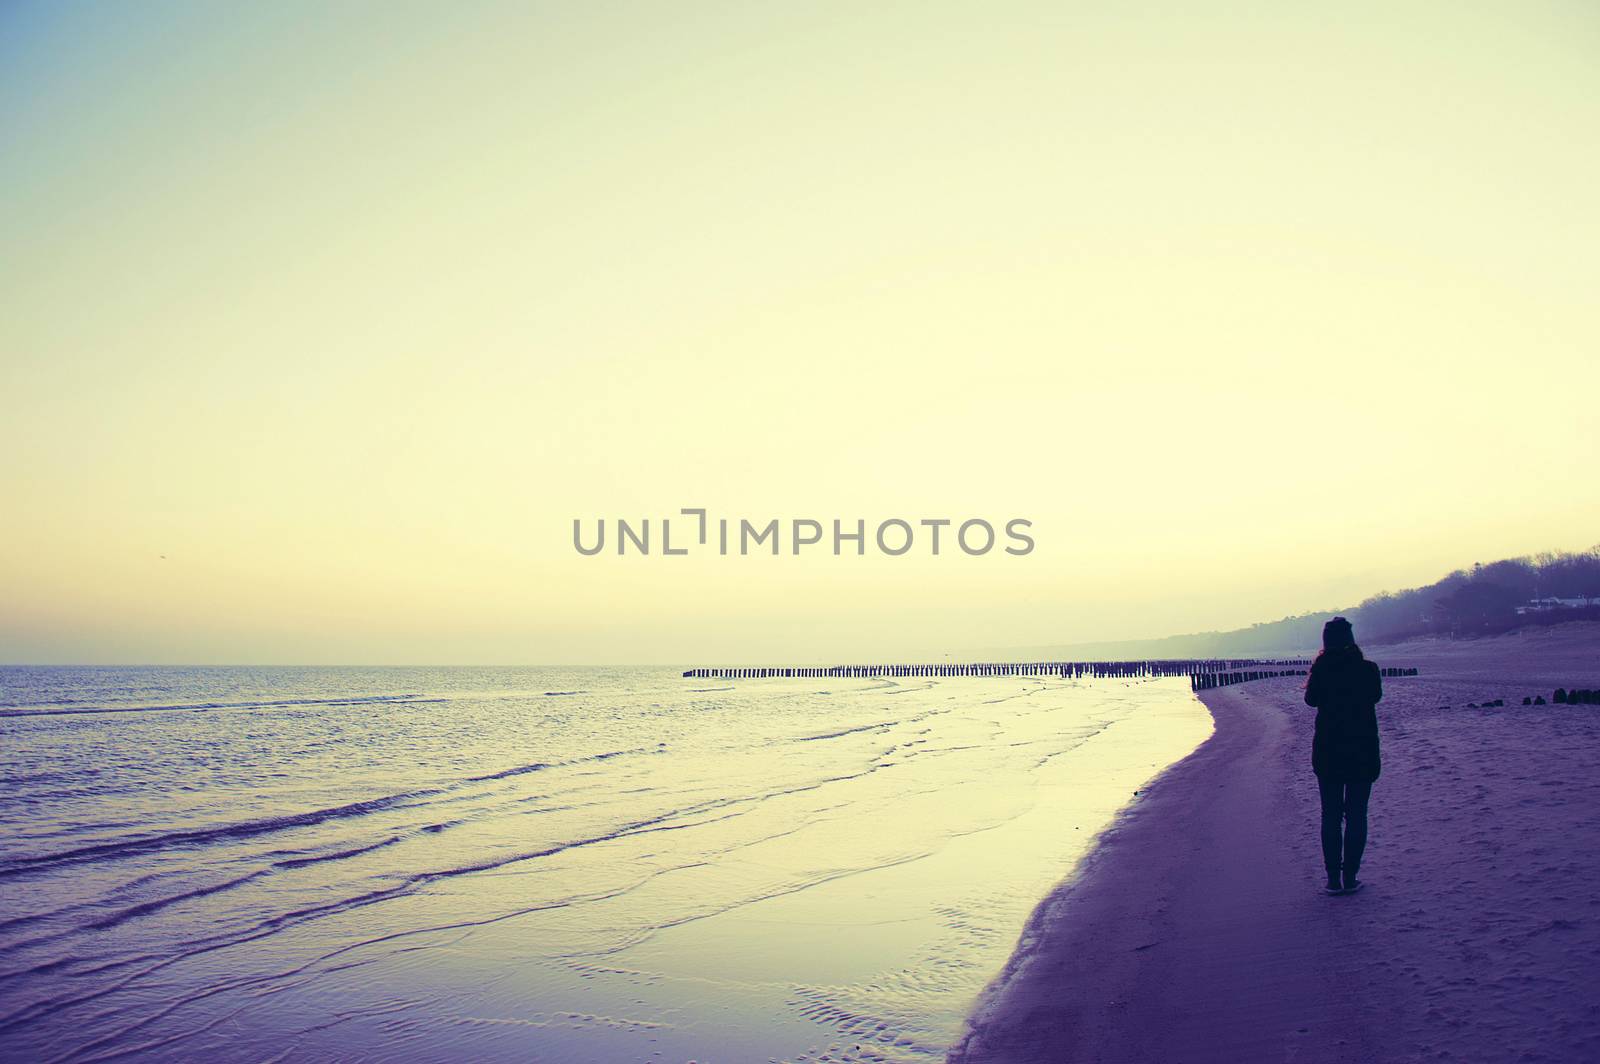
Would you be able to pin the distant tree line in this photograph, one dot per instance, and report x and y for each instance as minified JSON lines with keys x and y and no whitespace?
{"x":1483,"y":600}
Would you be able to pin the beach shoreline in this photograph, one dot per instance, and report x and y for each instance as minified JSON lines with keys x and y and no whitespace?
{"x":1195,"y":930}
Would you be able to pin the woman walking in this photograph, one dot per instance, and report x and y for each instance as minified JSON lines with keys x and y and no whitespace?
{"x":1345,"y":688}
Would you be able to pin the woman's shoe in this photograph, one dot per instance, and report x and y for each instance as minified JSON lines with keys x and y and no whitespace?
{"x":1334,"y":886}
{"x":1351,"y":885}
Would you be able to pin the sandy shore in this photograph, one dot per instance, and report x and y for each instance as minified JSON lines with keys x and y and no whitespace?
{"x":1197,"y":931}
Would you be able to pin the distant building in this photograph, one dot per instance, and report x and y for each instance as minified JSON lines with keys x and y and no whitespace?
{"x":1542,"y":605}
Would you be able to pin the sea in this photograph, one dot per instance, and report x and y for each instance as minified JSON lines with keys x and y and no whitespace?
{"x":538,"y":864}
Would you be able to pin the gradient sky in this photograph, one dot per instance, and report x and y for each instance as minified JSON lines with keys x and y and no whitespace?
{"x":348,"y":310}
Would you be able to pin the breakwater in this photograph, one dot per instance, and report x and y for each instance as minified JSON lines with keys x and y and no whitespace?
{"x":1204,"y":681}
{"x":1065,"y":669}
{"x":1203,"y":673}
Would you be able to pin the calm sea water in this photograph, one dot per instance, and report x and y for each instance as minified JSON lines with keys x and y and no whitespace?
{"x":252,"y":864}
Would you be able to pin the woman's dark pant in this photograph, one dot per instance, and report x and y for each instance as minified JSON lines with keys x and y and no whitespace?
{"x":1344,"y":800}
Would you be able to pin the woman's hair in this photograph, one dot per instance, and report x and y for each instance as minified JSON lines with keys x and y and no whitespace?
{"x":1338,"y":639}
{"x":1337,"y":634}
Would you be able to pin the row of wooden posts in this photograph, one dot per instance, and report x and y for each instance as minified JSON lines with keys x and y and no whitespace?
{"x":1066,"y":669}
{"x":1204,"y":681}
{"x":1203,"y":673}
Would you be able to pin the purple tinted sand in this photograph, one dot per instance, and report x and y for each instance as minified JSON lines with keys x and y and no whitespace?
{"x":1196,"y":931}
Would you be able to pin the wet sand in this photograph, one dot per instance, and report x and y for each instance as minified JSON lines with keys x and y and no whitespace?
{"x":1197,"y":931}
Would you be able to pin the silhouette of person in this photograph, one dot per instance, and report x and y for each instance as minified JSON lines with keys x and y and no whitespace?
{"x":1345,"y":688}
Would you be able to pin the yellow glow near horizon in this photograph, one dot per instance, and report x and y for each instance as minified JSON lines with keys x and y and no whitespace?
{"x":349,"y":313}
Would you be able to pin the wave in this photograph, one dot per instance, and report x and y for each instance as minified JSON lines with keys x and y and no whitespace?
{"x":144,"y":908}
{"x":340,"y":855}
{"x":122,"y":916}
{"x":199,"y":836}
{"x":540,"y":766}
{"x":196,"y":707}
{"x":848,"y":731}
{"x":244,"y":829}
{"x":519,"y":770}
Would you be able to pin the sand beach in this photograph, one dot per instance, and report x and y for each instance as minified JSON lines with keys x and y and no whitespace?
{"x":1196,"y":930}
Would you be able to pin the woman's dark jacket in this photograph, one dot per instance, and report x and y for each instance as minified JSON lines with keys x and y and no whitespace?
{"x":1345,"y":687}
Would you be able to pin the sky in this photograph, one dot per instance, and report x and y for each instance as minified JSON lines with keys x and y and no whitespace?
{"x":323,"y":323}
